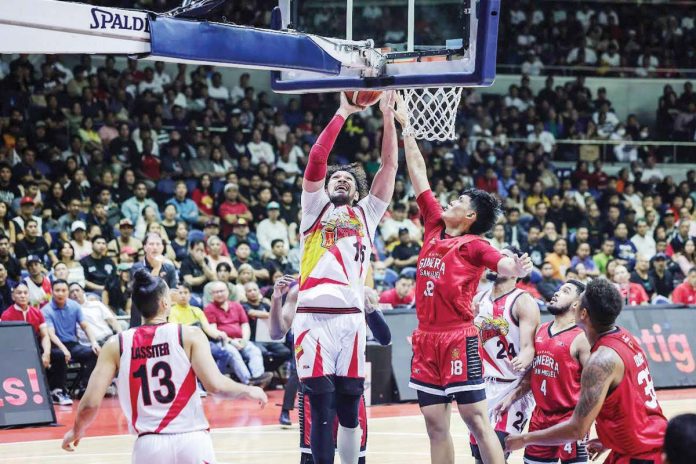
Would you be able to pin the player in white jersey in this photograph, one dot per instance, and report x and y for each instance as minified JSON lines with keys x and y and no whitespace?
{"x":339,"y":219}
{"x":158,"y":365}
{"x":507,"y":319}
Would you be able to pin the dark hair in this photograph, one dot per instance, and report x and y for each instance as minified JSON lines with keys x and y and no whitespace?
{"x":276,"y":240}
{"x":243,"y":242}
{"x":399,"y":207}
{"x":579,"y":286}
{"x":195,"y":242}
{"x":603,"y":303}
{"x":148,"y":290}
{"x":59,"y":282}
{"x":487,"y":209}
{"x":98,"y":237}
{"x":222,"y":266}
{"x":680,"y":439}
{"x":355,"y":170}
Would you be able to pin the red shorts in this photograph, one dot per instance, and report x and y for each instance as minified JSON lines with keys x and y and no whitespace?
{"x":568,"y":453}
{"x":653,"y":457}
{"x":447,"y":363}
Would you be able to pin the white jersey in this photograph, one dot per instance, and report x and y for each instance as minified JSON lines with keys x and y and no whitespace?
{"x":499,"y":332}
{"x":336,"y":245}
{"x":156,"y":383}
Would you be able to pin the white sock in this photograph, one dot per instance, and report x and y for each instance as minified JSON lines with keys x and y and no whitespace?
{"x":348,"y":441}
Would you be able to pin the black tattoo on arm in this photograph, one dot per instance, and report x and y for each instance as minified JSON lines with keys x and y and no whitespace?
{"x":594,"y":382}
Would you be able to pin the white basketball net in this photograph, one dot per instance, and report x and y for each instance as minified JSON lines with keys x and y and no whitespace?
{"x":432,"y":111}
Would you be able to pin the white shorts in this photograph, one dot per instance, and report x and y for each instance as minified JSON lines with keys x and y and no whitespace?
{"x":176,"y":448}
{"x":327,"y":344}
{"x":517,"y":417}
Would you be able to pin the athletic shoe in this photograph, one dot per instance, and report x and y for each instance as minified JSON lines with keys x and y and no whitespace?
{"x":285,"y":418}
{"x":60,"y":397}
{"x":261,"y":381}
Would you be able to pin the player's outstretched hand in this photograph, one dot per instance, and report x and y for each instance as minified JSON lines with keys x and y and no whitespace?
{"x":501,"y":408}
{"x":521,"y":363}
{"x":523,"y":265}
{"x":595,"y":449}
{"x":346,"y":108}
{"x":386,"y":103}
{"x":282,"y":285}
{"x":257,"y":394}
{"x":71,"y":440}
{"x":400,"y":112}
{"x":514,"y":442}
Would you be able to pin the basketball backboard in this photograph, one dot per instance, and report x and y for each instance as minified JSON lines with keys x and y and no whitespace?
{"x":425,"y":43}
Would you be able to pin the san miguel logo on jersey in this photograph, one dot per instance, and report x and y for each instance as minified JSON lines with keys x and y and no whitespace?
{"x":340,"y":226}
{"x":545,"y":365}
{"x":492,"y":327}
{"x":431,"y":266}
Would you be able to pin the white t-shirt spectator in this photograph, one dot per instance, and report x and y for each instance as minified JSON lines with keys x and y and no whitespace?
{"x":545,"y":139}
{"x":236,"y":94}
{"x":96,"y":313}
{"x":218,"y":93}
{"x":163,"y":79}
{"x":155,"y":86}
{"x":262,"y":151}
{"x":583,"y":16}
{"x":590,"y":56}
{"x":267,"y":231}
{"x":526,"y":40}
{"x":609,"y":59}
{"x":532,"y":67}
{"x":390,"y":229}
{"x":517,"y":16}
{"x":644,"y":245}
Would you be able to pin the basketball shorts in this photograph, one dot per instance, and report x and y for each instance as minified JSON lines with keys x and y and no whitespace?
{"x":514,"y":420}
{"x":447,"y":365}
{"x":568,"y":453}
{"x":328,"y":345}
{"x":305,"y":413}
{"x":176,"y":448}
{"x":654,"y":457}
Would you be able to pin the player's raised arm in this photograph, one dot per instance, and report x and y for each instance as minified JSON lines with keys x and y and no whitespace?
{"x":603,"y":368}
{"x":383,"y":183}
{"x":99,"y":381}
{"x":516,"y":266}
{"x":527,"y":312}
{"x":282,"y":313}
{"x":415,"y":163}
{"x":317,"y":164}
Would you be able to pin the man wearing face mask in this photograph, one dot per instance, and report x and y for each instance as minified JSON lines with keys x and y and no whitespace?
{"x":507,"y":320}
{"x":562,"y":350}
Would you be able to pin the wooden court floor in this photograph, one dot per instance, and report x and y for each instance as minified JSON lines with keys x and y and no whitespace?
{"x":243,"y":434}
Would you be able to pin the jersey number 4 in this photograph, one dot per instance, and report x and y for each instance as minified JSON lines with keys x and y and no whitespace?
{"x":161,"y":371}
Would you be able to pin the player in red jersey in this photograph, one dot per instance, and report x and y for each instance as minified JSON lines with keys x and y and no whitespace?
{"x":446,"y":364}
{"x":616,"y":389}
{"x":157,"y":366}
{"x":561,"y":349}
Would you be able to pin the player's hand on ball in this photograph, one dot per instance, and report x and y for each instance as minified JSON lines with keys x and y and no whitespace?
{"x":71,"y":440}
{"x":282,"y":286}
{"x":347,"y":108}
{"x":595,"y":449}
{"x":257,"y":394}
{"x":514,"y":442}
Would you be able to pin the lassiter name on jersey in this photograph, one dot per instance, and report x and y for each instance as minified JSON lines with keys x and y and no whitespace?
{"x":147,"y":352}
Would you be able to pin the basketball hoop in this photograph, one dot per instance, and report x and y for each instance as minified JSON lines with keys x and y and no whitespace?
{"x":432,"y":111}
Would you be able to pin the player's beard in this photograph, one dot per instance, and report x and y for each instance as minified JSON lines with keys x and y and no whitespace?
{"x":340,"y":198}
{"x":558,"y":310}
{"x":496,"y":278}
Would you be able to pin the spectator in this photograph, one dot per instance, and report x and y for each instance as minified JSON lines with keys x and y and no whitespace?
{"x":686,"y":259}
{"x":97,"y":266}
{"x":232,"y":210}
{"x":258,"y":311}
{"x":6,"y":287}
{"x":582,"y":256}
{"x":681,"y":237}
{"x":230,"y":318}
{"x":498,"y":237}
{"x":117,"y":292}
{"x":534,"y":248}
{"x":548,"y":285}
{"x":242,"y":255}
{"x":223,"y":272}
{"x":559,"y":259}
{"x":403,"y":293}
{"x":515,"y":235}
{"x":187,"y":209}
{"x":195,"y":270}
{"x":133,"y":207}
{"x":632,"y":293}
{"x":32,"y":244}
{"x":663,"y":278}
{"x":38,"y":284}
{"x":271,"y":229}
{"x":259,"y":150}
{"x":8,"y":260}
{"x":279,"y":258}
{"x":685,"y":293}
{"x":72,"y":215}
{"x":215,"y":248}
{"x":66,"y":255}
{"x":79,"y":241}
{"x":624,"y":249}
{"x":125,"y":240}
{"x":389,"y":228}
{"x":643,"y":242}
{"x":405,"y":253}
{"x":97,"y":315}
{"x":641,"y":275}
{"x":62,"y":317}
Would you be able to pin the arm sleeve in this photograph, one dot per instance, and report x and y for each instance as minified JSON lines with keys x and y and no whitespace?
{"x":319,"y":154}
{"x":481,"y":253}
{"x":379,"y":327}
{"x":430,"y":209}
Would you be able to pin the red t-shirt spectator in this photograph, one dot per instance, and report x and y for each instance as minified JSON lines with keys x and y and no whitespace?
{"x":634,"y":295}
{"x":33,"y":316}
{"x":489,"y":185}
{"x":229,"y":321}
{"x":685,"y":293}
{"x":204,"y":201}
{"x":392,"y":297}
{"x":226,"y":208}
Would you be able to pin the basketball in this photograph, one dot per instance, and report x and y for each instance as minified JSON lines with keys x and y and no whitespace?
{"x":363,"y":98}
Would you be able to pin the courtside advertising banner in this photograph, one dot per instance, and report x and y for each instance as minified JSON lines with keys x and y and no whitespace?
{"x":24,"y":398}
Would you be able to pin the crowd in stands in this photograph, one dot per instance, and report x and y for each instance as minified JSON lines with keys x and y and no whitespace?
{"x":103,"y":169}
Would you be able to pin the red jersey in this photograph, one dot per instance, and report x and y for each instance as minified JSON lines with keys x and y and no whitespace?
{"x":555,"y":371}
{"x":633,"y":294}
{"x":390,"y":296}
{"x":449,"y":270}
{"x":684,"y":294}
{"x":631,"y":421}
